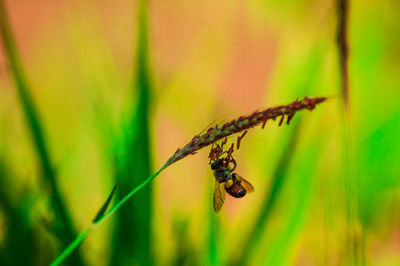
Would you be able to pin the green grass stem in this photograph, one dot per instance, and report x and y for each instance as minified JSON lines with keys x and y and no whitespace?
{"x":130,"y":194}
{"x":71,"y":247}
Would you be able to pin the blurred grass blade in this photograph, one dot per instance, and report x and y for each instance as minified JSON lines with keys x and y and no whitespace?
{"x":214,"y":252}
{"x":379,"y":148}
{"x":352,"y":196}
{"x":133,"y":224}
{"x":71,"y":247}
{"x":67,"y":233}
{"x":281,"y":248}
{"x":350,"y":181}
{"x":18,"y":234}
{"x":186,"y":253}
{"x":106,"y":204}
{"x":269,"y":201}
{"x":310,"y":71}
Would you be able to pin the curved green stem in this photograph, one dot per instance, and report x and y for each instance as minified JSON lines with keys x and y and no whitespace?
{"x":71,"y":247}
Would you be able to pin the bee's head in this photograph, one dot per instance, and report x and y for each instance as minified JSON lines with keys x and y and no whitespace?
{"x":217,"y":164}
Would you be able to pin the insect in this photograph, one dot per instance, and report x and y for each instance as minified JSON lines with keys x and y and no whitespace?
{"x":227,"y":180}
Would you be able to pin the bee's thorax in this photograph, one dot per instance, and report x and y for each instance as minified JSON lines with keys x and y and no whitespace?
{"x":222,"y":175}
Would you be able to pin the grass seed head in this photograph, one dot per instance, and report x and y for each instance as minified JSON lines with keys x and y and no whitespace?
{"x":243,"y":123}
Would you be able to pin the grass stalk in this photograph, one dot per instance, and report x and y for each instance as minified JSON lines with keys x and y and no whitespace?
{"x":130,"y":194}
{"x":75,"y":244}
{"x":71,"y":247}
{"x":242,"y":123}
{"x":67,"y":233}
{"x":343,"y":47}
{"x":351,"y":187}
{"x":212,"y":135}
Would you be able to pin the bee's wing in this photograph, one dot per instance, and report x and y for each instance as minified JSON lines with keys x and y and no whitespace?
{"x":246,"y":184}
{"x":219,"y":196}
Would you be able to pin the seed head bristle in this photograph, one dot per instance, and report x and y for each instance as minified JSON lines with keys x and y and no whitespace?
{"x":280,"y":121}
{"x":242,"y":123}
{"x":240,"y":139}
{"x":289,"y":118}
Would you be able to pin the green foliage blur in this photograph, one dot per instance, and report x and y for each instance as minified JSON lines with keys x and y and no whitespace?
{"x":98,"y":92}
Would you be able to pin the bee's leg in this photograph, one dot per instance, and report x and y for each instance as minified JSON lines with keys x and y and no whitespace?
{"x":234,"y":165}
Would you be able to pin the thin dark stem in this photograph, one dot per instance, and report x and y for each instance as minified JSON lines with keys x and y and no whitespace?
{"x":343,"y":46}
{"x":350,"y":181}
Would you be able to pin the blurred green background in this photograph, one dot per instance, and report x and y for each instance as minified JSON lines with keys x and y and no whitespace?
{"x":115,"y":87}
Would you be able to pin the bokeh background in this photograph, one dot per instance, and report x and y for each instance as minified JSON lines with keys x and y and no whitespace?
{"x":118,"y":86}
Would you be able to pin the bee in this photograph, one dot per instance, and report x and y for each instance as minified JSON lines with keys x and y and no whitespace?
{"x":227,"y":180}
